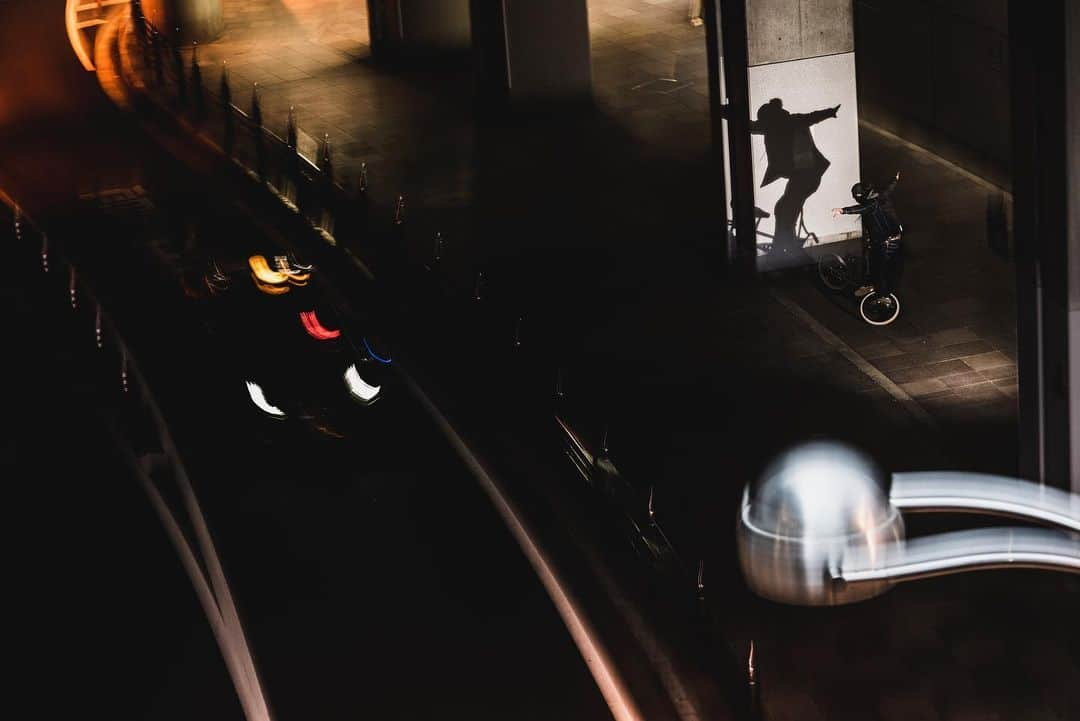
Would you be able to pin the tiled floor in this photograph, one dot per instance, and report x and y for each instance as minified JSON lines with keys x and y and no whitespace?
{"x":650,"y":72}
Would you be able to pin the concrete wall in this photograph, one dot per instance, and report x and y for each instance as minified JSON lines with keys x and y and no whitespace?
{"x":805,"y":86}
{"x":937,"y":73}
{"x":781,"y":30}
{"x":547,"y":48}
{"x":200,"y":20}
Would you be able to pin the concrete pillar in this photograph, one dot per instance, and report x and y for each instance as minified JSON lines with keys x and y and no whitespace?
{"x":418,"y":28}
{"x":534,"y":51}
{"x":800,"y":68}
{"x":200,"y":20}
{"x":1046,"y":187}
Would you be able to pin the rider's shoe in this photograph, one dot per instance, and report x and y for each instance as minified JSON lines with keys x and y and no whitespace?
{"x":864,"y":290}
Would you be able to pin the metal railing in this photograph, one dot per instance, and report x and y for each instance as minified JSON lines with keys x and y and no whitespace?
{"x":139,"y":429}
{"x":303,"y":177}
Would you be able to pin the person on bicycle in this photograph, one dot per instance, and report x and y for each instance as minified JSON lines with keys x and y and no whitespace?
{"x":883,"y":230}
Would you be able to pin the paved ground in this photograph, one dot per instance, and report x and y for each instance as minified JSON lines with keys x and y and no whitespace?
{"x":515,"y":192}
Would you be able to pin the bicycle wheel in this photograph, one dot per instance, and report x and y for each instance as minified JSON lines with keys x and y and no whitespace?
{"x":879,"y":309}
{"x":833,"y":271}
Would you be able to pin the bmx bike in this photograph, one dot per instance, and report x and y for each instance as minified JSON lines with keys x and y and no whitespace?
{"x":847,"y":273}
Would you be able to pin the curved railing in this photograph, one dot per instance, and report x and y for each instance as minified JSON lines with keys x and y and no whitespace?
{"x":199,"y":558}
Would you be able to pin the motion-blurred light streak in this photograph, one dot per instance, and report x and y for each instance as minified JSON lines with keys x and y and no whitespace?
{"x":358,"y":388}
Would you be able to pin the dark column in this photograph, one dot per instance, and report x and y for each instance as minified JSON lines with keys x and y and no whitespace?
{"x":544,"y":48}
{"x":418,"y":28}
{"x":1045,"y":52}
{"x":733,"y":82}
{"x":200,"y":20}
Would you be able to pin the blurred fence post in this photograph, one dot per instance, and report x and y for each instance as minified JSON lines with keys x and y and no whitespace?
{"x":326,"y":178}
{"x":225,"y":99}
{"x":363,"y":209}
{"x":478,"y":285}
{"x":159,"y":62}
{"x":178,"y":67}
{"x":257,"y":130}
{"x":292,"y":160}
{"x":197,"y":83}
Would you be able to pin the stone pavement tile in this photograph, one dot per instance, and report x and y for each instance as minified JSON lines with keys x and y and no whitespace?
{"x":951,"y":336}
{"x":879,"y":349}
{"x":900,"y":361}
{"x":1008,"y":386}
{"x":1000,"y":373}
{"x":978,"y":392}
{"x":959,"y":380}
{"x":959,"y":350}
{"x":927,"y":370}
{"x":925,"y":387}
{"x":988,"y":360}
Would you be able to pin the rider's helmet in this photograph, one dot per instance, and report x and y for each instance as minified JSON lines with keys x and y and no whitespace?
{"x":862,"y":192}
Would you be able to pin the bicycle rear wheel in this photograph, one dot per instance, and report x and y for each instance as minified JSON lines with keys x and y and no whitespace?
{"x":833,"y":271}
{"x":879,"y":309}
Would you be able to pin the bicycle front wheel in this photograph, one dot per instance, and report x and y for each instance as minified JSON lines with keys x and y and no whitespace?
{"x":833,"y":271}
{"x":879,"y":308}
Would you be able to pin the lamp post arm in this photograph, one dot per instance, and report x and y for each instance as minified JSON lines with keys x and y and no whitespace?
{"x":982,"y":493}
{"x":962,"y":551}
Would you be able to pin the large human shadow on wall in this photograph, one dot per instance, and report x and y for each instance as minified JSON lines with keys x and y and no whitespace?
{"x":791,"y":153}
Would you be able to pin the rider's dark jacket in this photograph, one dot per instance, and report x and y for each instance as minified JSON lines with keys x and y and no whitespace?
{"x":879,"y":218}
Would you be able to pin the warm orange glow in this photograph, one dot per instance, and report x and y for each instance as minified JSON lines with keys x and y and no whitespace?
{"x":75,"y":37}
{"x":270,"y":289}
{"x":315,"y":329}
{"x":262,"y":271}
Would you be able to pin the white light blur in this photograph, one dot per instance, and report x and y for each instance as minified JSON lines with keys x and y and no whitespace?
{"x":359,"y":389}
{"x":257,"y":397}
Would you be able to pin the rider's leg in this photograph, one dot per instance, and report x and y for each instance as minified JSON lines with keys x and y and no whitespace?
{"x":879,"y":276}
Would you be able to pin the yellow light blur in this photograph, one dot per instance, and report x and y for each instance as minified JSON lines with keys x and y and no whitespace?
{"x":262,"y":271}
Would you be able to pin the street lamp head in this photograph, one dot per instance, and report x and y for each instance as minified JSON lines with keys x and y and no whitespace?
{"x":816,"y":503}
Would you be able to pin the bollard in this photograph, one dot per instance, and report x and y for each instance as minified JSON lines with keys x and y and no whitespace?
{"x":363,"y":178}
{"x":178,"y":66}
{"x":436,"y":253}
{"x":603,"y":443}
{"x":517,"y":331}
{"x":159,"y":63}
{"x":44,"y":253}
{"x":225,"y":98}
{"x":292,"y":165}
{"x":478,"y":285}
{"x":98,"y":338}
{"x":224,"y":91}
{"x":196,"y":82}
{"x":71,"y":288}
{"x":256,"y":105}
{"x":753,"y":687}
{"x":326,"y":178}
{"x":325,"y":163}
{"x":559,"y":394}
{"x":257,"y":130}
{"x":123,"y":369}
{"x":291,"y":129}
